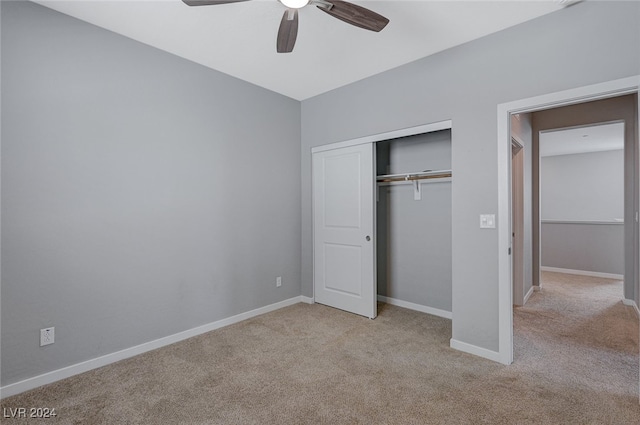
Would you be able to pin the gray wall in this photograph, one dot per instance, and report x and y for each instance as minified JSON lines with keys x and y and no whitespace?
{"x":621,"y":108}
{"x":142,"y":194}
{"x":584,"y":186}
{"x":414,"y":236}
{"x":587,"y":247}
{"x":583,"y":44}
{"x":522,"y":132}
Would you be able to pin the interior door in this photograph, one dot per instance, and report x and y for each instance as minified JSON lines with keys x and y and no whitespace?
{"x":343,"y":225}
{"x":517,"y":221}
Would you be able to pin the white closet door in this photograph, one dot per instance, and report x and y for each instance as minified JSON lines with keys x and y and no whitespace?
{"x":344,"y":246}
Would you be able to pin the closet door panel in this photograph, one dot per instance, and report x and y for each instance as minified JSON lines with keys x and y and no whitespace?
{"x":343,"y":207}
{"x":342,"y":271}
{"x":342,"y":191}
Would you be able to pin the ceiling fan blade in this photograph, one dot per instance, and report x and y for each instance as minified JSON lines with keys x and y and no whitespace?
{"x":209,"y":2}
{"x":288,"y":31}
{"x":355,"y":15}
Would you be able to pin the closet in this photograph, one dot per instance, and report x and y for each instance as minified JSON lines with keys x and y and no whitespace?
{"x":382,"y":221}
{"x":413,"y":221}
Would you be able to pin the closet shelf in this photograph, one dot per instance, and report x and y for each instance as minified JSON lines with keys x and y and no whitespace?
{"x":423,"y":175}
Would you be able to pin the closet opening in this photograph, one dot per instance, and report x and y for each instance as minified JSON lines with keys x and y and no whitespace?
{"x":413,"y":222}
{"x":382,"y":221}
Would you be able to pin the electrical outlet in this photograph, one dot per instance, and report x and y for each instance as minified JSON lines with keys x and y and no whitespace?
{"x":278,"y":281}
{"x":47,"y":336}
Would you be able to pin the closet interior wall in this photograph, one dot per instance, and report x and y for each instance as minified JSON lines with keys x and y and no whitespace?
{"x":414,"y":236}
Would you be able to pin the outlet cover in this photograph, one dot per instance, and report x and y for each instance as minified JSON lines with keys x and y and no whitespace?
{"x":278,"y":281}
{"x":47,"y":336}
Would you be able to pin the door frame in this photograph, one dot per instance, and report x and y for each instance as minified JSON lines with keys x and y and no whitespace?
{"x":394,"y":134}
{"x":582,"y":94}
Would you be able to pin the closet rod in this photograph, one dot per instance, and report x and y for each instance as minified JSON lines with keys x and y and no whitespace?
{"x":414,"y":176}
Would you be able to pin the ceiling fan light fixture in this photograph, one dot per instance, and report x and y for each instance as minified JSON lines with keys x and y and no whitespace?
{"x":295,"y":4}
{"x":288,"y":30}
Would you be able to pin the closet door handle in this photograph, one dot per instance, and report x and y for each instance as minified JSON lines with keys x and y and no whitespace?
{"x":368,"y":238}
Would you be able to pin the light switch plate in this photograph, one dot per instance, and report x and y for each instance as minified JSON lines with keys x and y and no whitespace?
{"x":487,"y":221}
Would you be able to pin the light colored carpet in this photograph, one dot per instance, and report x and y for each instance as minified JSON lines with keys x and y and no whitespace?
{"x":576,"y":362}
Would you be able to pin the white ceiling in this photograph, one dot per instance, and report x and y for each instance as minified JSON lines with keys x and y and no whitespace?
{"x":597,"y":138}
{"x":239,"y":39}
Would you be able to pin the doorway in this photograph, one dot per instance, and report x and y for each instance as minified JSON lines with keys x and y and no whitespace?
{"x":569,"y":97}
{"x":344,"y":217}
{"x":582,"y":196}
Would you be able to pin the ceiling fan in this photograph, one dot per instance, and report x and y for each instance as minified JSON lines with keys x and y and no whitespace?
{"x":288,"y":31}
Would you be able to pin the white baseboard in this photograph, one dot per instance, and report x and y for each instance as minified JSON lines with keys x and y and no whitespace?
{"x":477,"y":351}
{"x":306,"y":300}
{"x":416,"y":307}
{"x":66,"y":372}
{"x":528,"y":294}
{"x":582,"y":272}
{"x":633,"y":304}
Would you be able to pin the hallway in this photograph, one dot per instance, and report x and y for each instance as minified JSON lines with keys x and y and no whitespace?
{"x":577,"y":331}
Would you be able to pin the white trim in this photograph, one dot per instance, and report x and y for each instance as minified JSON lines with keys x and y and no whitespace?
{"x":505,"y":262}
{"x":417,"y":307}
{"x":579,"y":126}
{"x":66,"y":372}
{"x":475,"y":350}
{"x":582,"y":272}
{"x":573,"y":96}
{"x":551,"y":100}
{"x":632,"y":303}
{"x":528,"y":294}
{"x":411,"y":131}
{"x":307,"y":300}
